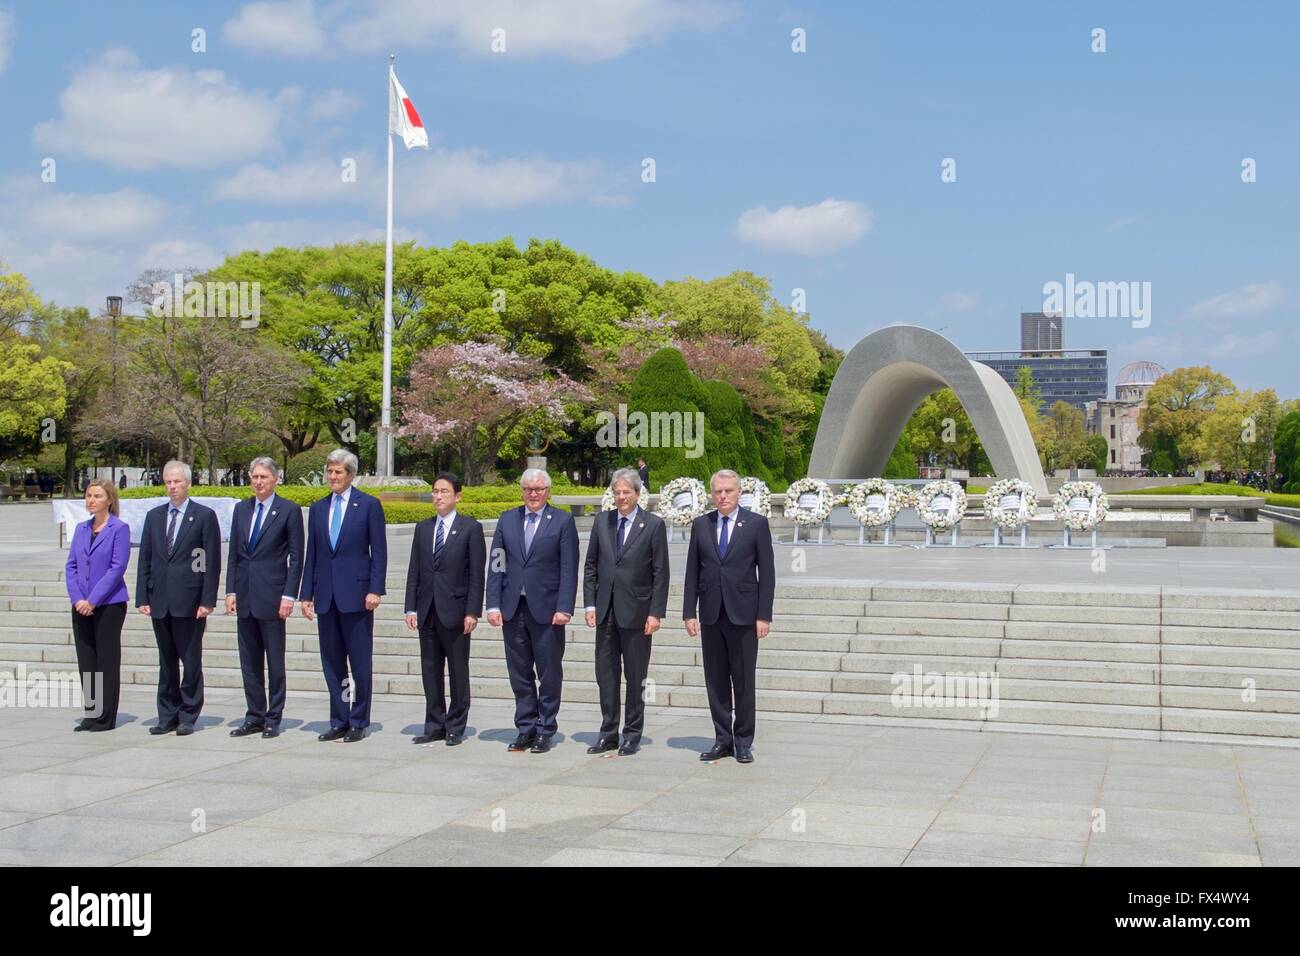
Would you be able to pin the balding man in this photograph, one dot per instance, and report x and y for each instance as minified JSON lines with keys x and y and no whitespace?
{"x":731,"y":576}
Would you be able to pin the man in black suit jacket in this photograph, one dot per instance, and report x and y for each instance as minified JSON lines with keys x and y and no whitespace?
{"x":643,"y":472}
{"x":730,"y":574}
{"x":176,"y":585}
{"x":444,"y":600}
{"x":262,"y":577}
{"x":625,"y":589}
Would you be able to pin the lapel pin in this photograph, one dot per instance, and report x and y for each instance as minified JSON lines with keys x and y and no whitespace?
{"x":548,"y":517}
{"x":273,"y":514}
{"x":453,"y":532}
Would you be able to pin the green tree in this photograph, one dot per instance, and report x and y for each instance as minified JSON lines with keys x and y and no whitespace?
{"x":31,"y":392}
{"x":1177,"y":406}
{"x":665,"y":384}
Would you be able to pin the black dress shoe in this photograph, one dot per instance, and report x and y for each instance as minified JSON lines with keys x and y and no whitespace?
{"x":184,"y":730}
{"x":717,"y":753}
{"x":84,"y":724}
{"x":243,"y":730}
{"x":522,"y":742}
{"x":100,"y":728}
{"x":430,"y":738}
{"x":628,"y":750}
{"x":542,"y":745}
{"x":270,"y":731}
{"x":455,"y":740}
{"x":355,"y":734}
{"x":602,"y":746}
{"x":159,"y":729}
{"x":744,"y":755}
{"x":334,"y":733}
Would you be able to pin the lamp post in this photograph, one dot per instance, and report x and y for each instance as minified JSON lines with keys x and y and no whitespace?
{"x":114,"y":312}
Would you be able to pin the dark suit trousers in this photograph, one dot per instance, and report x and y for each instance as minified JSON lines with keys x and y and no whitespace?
{"x":534,"y":647}
{"x":730,"y":654}
{"x":347,"y":640}
{"x":443,"y":648}
{"x":621,"y":650}
{"x":262,"y":640}
{"x":99,"y":654}
{"x":180,"y":646}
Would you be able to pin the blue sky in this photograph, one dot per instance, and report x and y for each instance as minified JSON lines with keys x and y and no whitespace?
{"x":820,"y":170}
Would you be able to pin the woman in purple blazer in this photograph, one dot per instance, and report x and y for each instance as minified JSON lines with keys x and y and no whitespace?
{"x":97,"y":559}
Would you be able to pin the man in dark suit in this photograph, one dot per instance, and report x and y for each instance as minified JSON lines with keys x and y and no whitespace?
{"x":262,"y":577}
{"x":532,"y":584}
{"x":625,"y":589}
{"x":444,"y":600}
{"x":643,"y":472}
{"x":731,"y":576}
{"x":342,"y":581}
{"x":176,"y":585}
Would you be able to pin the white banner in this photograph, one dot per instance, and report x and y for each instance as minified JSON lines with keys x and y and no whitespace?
{"x":70,"y":512}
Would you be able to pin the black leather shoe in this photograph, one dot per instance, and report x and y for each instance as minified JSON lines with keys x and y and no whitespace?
{"x":355,"y":734}
{"x":717,"y":753}
{"x":430,"y":738}
{"x":744,"y":755}
{"x":455,"y":740}
{"x":82,"y":725}
{"x":159,"y":729}
{"x":184,"y":730}
{"x":602,"y":746}
{"x":270,"y":731}
{"x":334,"y":733}
{"x":628,"y":750}
{"x":244,"y":730}
{"x":522,"y":742}
{"x":100,"y":728}
{"x":542,"y":745}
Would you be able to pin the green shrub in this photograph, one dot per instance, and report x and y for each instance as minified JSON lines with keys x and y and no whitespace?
{"x":305,"y":463}
{"x":665,"y":384}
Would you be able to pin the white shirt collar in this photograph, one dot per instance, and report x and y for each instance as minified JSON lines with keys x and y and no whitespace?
{"x":345,"y":495}
{"x":447,"y":522}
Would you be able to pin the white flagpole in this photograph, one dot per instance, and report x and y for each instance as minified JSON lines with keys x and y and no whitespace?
{"x":384,"y":446}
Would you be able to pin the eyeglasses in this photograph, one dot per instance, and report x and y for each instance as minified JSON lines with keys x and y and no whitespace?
{"x":536,"y":491}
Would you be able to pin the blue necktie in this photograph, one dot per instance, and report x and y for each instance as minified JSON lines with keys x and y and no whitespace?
{"x":257,"y":528}
{"x":722,"y":541}
{"x":622,"y":531}
{"x":171,"y":531}
{"x":437,"y":540}
{"x":336,"y":521}
{"x":529,"y":531}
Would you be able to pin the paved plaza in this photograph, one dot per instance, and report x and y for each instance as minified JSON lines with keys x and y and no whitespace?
{"x":819,"y":792}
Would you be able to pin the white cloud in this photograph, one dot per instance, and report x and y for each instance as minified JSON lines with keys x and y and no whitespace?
{"x":6,"y":37}
{"x":289,"y":28}
{"x":179,"y":254}
{"x":445,"y":182}
{"x":1121,"y":223}
{"x":1248,"y":299}
{"x":80,"y":216}
{"x":114,"y":111}
{"x":308,"y":181}
{"x":579,"y":29}
{"x":333,"y":103}
{"x":828,"y":226}
{"x":1243,"y":346}
{"x":264,"y":235}
{"x":958,"y":301}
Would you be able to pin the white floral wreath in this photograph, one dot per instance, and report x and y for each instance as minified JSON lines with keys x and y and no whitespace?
{"x":1010,"y":518}
{"x":762,"y":495}
{"x":607,"y":499}
{"x":888,"y":501}
{"x":809,"y":517}
{"x":1078,"y":519}
{"x":681,"y":516}
{"x":943,"y":488}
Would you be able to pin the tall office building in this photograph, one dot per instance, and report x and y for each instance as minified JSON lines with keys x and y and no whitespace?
{"x":1040,"y":332}
{"x":1074,"y":376}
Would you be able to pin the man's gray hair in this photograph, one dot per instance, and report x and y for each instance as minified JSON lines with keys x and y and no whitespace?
{"x":177,"y":465}
{"x":532,"y":474}
{"x":724,"y":473}
{"x":628,"y":476}
{"x":341,"y":456}
{"x":267,"y":462}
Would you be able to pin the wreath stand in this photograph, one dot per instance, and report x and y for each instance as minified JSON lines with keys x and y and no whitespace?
{"x":864,"y":543}
{"x":999,"y":543}
{"x":821,"y":530}
{"x":931,"y":541}
{"x":1066,"y":542}
{"x":674,"y":532}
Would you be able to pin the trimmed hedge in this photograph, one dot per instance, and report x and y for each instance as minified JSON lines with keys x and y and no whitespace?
{"x":1210,"y":488}
{"x":409,"y":512}
{"x":298,"y":494}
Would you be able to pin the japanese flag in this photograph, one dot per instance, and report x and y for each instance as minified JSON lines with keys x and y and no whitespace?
{"x":402,"y":117}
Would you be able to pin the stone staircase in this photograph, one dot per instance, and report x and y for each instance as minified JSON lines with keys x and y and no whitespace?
{"x":1154,"y":662}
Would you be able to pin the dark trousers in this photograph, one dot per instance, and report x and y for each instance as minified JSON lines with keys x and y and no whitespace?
{"x":180,"y":648}
{"x":621,"y":651}
{"x":533,"y":647}
{"x":347,"y":640}
{"x":99,"y":659}
{"x":730,"y":654}
{"x":262,"y":640}
{"x":446,"y":649}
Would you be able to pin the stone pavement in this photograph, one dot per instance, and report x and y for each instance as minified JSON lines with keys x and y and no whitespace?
{"x":819,"y":792}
